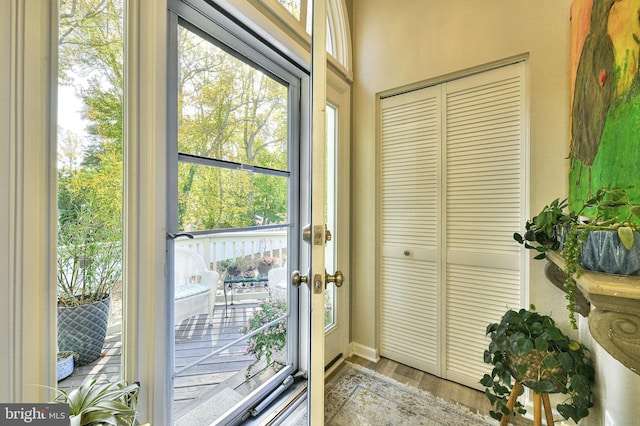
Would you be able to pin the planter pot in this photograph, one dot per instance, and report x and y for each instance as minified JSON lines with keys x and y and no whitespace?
{"x":528,"y":368}
{"x":603,"y":252}
{"x":83,"y":329}
{"x":64,"y":368}
{"x":264,"y":269}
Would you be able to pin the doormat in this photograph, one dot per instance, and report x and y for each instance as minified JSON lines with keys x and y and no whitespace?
{"x":359,"y":396}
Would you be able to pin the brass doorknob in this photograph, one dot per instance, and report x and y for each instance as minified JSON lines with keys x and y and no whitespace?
{"x":337,"y":278}
{"x":297,"y":279}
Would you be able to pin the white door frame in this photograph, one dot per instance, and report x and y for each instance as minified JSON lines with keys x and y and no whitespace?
{"x":145,"y":133}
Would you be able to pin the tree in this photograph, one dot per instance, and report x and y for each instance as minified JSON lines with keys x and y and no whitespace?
{"x":91,"y":60}
{"x":227,"y":110}
{"x":231,"y":111}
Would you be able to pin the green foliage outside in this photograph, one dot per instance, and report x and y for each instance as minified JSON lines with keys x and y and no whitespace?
{"x":90,"y":165}
{"x":269,"y":340}
{"x":227,"y":110}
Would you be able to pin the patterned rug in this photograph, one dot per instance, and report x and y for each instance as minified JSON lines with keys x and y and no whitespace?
{"x":359,"y":396}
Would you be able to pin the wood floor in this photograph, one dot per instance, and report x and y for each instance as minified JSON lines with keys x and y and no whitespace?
{"x":195,"y":339}
{"x":445,"y":389}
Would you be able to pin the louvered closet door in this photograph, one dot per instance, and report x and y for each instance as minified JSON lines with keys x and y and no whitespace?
{"x":410,"y":170}
{"x":484,"y":194}
{"x":452,"y":191}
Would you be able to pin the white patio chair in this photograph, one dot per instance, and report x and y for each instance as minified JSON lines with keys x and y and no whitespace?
{"x":195,"y":286}
{"x":278,"y":281}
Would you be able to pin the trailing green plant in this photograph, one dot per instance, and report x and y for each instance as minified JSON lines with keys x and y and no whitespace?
{"x":555,"y":228}
{"x":530,"y":347}
{"x":108,"y":403}
{"x":614,"y":211}
{"x":266,"y":339}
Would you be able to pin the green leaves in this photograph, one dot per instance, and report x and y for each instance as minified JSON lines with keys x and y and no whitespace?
{"x":267,"y":330}
{"x":542,"y":231}
{"x":609,"y":209}
{"x":625,"y":234}
{"x":522,"y":346}
{"x":102,"y":403}
{"x":541,"y":344}
{"x":544,"y":358}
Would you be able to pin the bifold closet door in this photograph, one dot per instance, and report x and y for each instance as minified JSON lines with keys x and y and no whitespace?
{"x":452,"y":191}
{"x":411,"y":132}
{"x":485,"y":192}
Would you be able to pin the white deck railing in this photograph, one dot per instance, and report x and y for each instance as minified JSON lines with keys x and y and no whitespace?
{"x":229,"y":245}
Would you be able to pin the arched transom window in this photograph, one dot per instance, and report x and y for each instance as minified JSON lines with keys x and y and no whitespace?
{"x":295,"y":16}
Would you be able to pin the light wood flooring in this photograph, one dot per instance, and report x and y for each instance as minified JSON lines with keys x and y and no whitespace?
{"x":195,"y":338}
{"x":445,"y":389}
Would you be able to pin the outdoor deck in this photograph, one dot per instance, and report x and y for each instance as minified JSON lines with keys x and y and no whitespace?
{"x":194,"y":339}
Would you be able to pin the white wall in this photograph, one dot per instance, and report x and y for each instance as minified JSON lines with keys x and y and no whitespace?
{"x":401,"y":42}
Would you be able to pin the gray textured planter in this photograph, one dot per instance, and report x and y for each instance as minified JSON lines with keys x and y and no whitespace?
{"x":603,"y":252}
{"x":83,"y":329}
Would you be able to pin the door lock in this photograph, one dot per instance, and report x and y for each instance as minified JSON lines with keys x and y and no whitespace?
{"x":320,"y":235}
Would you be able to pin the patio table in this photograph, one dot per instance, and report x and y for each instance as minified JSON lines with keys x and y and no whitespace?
{"x":236,"y":283}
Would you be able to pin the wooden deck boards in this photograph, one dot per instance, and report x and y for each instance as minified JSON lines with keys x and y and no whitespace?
{"x":195,"y":338}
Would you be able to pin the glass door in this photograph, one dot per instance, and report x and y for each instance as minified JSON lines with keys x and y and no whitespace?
{"x":337,"y":248}
{"x":233,"y":241}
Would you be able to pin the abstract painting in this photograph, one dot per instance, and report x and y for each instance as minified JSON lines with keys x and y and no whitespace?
{"x":605,"y":97}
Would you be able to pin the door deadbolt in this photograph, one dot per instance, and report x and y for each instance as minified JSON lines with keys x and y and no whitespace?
{"x":320,"y":235}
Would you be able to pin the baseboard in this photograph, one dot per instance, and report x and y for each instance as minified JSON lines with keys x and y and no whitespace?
{"x":370,"y":354}
{"x":333,"y":367}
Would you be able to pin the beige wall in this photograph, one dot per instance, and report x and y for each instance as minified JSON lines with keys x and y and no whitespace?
{"x":401,"y":42}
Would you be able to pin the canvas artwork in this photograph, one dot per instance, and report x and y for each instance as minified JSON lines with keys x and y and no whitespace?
{"x":605,"y":97}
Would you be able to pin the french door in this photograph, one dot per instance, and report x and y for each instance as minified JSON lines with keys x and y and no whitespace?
{"x":234,"y":229}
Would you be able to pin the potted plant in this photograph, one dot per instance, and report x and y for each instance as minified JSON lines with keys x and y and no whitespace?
{"x":107,"y":403}
{"x":265,"y":263}
{"x":65,"y":364}
{"x":234,"y":267}
{"x":529,"y":347}
{"x":89,"y":265}
{"x":270,"y":340}
{"x":602,"y":235}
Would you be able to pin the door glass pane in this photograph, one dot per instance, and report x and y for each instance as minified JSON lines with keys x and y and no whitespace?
{"x":330,"y":214}
{"x":219,"y":198}
{"x":292,"y":6}
{"x":227,"y":109}
{"x":231,"y":301}
{"x":90,"y":179}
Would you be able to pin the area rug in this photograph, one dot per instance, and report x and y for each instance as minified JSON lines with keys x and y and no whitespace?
{"x":359,"y":396}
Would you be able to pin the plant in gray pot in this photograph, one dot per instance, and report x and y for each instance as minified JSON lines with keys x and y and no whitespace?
{"x":602,"y":236}
{"x":89,"y":265}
